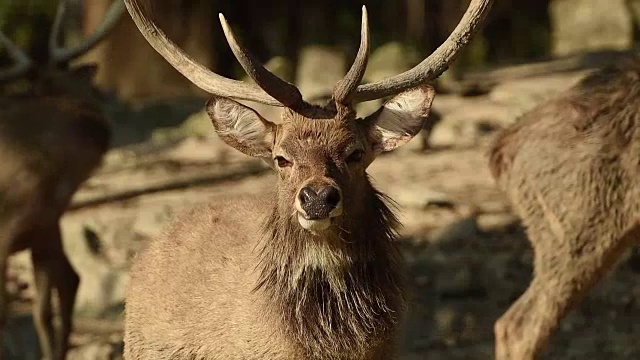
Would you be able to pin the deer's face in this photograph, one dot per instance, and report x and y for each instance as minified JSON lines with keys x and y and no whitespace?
{"x":322,"y":162}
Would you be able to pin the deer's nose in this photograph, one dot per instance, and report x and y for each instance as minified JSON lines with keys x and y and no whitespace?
{"x":330,"y":196}
{"x":318,"y":205}
{"x":307,"y":195}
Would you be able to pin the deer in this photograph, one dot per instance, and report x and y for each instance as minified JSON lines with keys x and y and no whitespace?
{"x":52,"y":137}
{"x":310,"y":269}
{"x":569,"y":169}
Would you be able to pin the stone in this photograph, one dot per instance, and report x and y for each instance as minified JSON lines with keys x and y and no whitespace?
{"x":319,"y":69}
{"x":390,"y":59}
{"x":94,"y":351}
{"x":587,"y":25}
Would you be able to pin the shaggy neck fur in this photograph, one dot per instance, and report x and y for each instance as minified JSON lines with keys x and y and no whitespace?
{"x":338,"y":294}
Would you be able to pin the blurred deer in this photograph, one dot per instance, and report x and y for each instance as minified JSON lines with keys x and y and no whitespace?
{"x":570,"y":168}
{"x":311,"y":269}
{"x":51,"y":139}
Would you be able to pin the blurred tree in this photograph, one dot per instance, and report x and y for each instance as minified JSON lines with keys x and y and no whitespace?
{"x":515,"y":31}
{"x":131,"y":68}
{"x":518,"y":30}
{"x":27,"y":23}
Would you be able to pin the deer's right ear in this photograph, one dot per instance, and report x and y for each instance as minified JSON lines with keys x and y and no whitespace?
{"x":241,"y":127}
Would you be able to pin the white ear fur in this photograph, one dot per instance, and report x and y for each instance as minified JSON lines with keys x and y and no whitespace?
{"x":241,"y":127}
{"x":401,"y":118}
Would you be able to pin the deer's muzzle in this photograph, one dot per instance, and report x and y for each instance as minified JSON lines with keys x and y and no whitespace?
{"x":316,"y":206}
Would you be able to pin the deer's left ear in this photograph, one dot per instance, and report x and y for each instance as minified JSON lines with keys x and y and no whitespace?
{"x":400,"y":118}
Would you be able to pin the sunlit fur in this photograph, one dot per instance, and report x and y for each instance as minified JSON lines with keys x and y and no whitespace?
{"x":570,"y":170}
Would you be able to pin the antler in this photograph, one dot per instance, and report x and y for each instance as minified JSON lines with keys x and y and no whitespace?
{"x":286,"y":93}
{"x":272,"y":90}
{"x":22,"y":62}
{"x":344,"y":89}
{"x":61,"y":55}
{"x":434,"y":65}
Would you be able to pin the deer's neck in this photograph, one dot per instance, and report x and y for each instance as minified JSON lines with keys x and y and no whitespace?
{"x":339,"y":292}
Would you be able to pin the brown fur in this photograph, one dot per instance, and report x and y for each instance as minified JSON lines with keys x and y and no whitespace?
{"x":570,"y":169}
{"x":242,"y":279}
{"x":51,"y":139}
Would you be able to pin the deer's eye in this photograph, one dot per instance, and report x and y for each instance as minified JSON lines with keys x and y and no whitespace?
{"x":355,"y":156}
{"x":282,"y":162}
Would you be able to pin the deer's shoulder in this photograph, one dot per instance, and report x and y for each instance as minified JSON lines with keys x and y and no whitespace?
{"x":231,"y":225}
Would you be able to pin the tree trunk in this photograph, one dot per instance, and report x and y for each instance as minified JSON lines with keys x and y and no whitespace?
{"x":131,"y":68}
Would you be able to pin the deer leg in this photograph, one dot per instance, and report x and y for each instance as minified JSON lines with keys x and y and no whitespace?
{"x":66,"y":282}
{"x":42,"y":315}
{"x":562,"y":277}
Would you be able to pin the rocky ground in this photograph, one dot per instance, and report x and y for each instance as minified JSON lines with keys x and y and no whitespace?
{"x":467,"y":258}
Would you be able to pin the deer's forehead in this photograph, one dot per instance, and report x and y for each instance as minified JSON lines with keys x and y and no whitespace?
{"x":326,"y":135}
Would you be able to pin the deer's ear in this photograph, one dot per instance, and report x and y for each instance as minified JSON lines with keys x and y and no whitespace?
{"x":400,"y":118}
{"x":241,"y":127}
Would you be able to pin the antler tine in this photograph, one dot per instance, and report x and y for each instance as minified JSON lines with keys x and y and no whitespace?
{"x":22,"y":62}
{"x":344,"y":89}
{"x":434,"y":65}
{"x":189,"y":68}
{"x":283,"y":91}
{"x":61,"y":55}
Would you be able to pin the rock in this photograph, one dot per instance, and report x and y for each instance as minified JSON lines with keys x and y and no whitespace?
{"x":471,"y":121}
{"x":584,"y":25}
{"x":95,"y":351}
{"x":319,"y":69}
{"x":197,"y":124}
{"x":390,"y":59}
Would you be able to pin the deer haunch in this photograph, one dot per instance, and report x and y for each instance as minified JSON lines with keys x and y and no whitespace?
{"x":570,"y":168}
